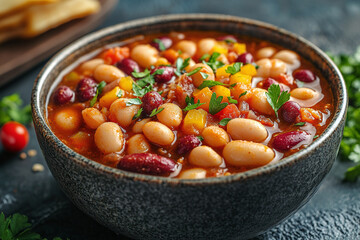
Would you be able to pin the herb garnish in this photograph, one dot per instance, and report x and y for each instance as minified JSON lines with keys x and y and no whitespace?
{"x":191,"y":104}
{"x":210,"y":84}
{"x":213,"y":62}
{"x":194,"y":71}
{"x":216,"y":105}
{"x":156,"y":111}
{"x":205,"y":56}
{"x":17,"y":227}
{"x":300,"y":124}
{"x":231,"y":100}
{"x":234,"y":69}
{"x":201,"y":138}
{"x":181,"y":64}
{"x":276,"y":98}
{"x":134,"y":101}
{"x":204,"y":75}
{"x":99,"y":89}
{"x":11,"y":110}
{"x":243,"y":94}
{"x":145,"y":83}
{"x":224,"y":121}
{"x":160,"y":43}
{"x":138,"y":113}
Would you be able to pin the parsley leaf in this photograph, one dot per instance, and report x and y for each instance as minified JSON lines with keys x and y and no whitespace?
{"x":145,"y":83}
{"x":194,"y":71}
{"x":201,"y":138}
{"x":137,"y":115}
{"x":224,"y":121}
{"x":160,"y":43}
{"x":210,"y":84}
{"x":300,"y":124}
{"x":181,"y":64}
{"x":99,"y":89}
{"x":191,"y":104}
{"x":216,"y":105}
{"x":141,"y":74}
{"x":11,"y":110}
{"x":242,"y":94}
{"x":204,"y":75}
{"x":234,"y":69}
{"x":276,"y":98}
{"x":134,"y":101}
{"x":205,"y":56}
{"x":213,"y":62}
{"x":231,"y":100}
{"x":156,"y":111}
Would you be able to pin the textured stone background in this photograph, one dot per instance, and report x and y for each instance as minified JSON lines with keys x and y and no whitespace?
{"x":333,"y":212}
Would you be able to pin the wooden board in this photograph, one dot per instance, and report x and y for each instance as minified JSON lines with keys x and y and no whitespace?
{"x":18,"y":56}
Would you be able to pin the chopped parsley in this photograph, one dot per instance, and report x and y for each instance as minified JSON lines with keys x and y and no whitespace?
{"x":243,"y":94}
{"x":210,"y":84}
{"x":156,"y":111}
{"x":181,"y":64}
{"x":224,"y":121}
{"x":300,"y":124}
{"x":231,"y":100}
{"x":216,"y":105}
{"x":204,"y":75}
{"x":276,"y":98}
{"x":99,"y":89}
{"x":191,"y":104}
{"x":138,"y":114}
{"x":213,"y":62}
{"x":134,"y":101}
{"x":201,"y":138}
{"x":160,"y":43}
{"x":194,"y":71}
{"x":234,"y":69}
{"x":145,"y":83}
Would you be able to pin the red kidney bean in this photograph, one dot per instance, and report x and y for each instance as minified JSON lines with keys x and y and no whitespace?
{"x":268,"y":81}
{"x":165,"y":76}
{"x":187,"y":143}
{"x":151,"y":100}
{"x":286,"y":141}
{"x":290,"y":111}
{"x":147,"y":163}
{"x":245,"y":58}
{"x":229,"y":38}
{"x":86,"y":89}
{"x":128,"y":66}
{"x":63,"y":94}
{"x":304,"y":75}
{"x":167,"y":42}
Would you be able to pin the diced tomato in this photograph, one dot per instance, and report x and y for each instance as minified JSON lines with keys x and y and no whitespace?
{"x":230,"y":111}
{"x":310,"y":115}
{"x":116,"y":54}
{"x":285,"y":79}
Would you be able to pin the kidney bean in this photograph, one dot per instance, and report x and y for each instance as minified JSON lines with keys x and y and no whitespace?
{"x":304,"y":75}
{"x":86,"y":89}
{"x":286,"y":141}
{"x":151,"y":100}
{"x":245,"y":58}
{"x":164,"y":77}
{"x":128,"y":66}
{"x":147,"y":163}
{"x":167,"y":42}
{"x":268,"y":81}
{"x":229,"y":38}
{"x":187,"y":143}
{"x":290,"y":111}
{"x":63,"y":94}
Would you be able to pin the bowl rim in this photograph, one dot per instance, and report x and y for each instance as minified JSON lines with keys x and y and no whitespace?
{"x":39,"y":117}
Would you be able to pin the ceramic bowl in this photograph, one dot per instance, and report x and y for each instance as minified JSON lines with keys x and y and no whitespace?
{"x":148,"y":207}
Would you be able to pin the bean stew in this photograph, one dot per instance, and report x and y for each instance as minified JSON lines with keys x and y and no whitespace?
{"x":190,"y":105}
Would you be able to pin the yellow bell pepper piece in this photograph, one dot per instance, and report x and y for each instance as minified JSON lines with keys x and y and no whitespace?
{"x":222,"y":91}
{"x":126,"y":83}
{"x":248,"y":69}
{"x":240,"y":78}
{"x":240,"y":48}
{"x":161,"y":62}
{"x":204,"y":95}
{"x":221,"y":72}
{"x":194,"y":121}
{"x":219,"y":48}
{"x":110,"y":97}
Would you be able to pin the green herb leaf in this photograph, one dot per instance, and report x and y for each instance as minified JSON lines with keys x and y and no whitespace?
{"x":120,"y":94}
{"x":213,"y":62}
{"x":141,"y":74}
{"x":137,"y":115}
{"x":201,"y":138}
{"x":145,"y":83}
{"x":134,"y":101}
{"x":216,"y":105}
{"x":234,"y":69}
{"x":231,"y":100}
{"x":158,"y":72}
{"x":11,"y":110}
{"x":160,"y":43}
{"x":156,"y":111}
{"x":190,"y":104}
{"x":300,"y":124}
{"x":99,"y":89}
{"x":194,"y":71}
{"x":276,"y":98}
{"x":210,"y":84}
{"x":316,"y":136}
{"x":205,"y":56}
{"x":243,"y":94}
{"x":224,"y":121}
{"x":204,"y":75}
{"x":181,"y":64}
{"x":352,"y":174}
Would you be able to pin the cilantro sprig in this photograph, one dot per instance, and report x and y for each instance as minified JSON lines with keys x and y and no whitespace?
{"x":276,"y":98}
{"x":145,"y":83}
{"x":11,"y":110}
{"x":17,"y":227}
{"x":216,"y":105}
{"x":181,"y":64}
{"x":194,"y":71}
{"x":210,"y":84}
{"x":224,"y":121}
{"x":155,"y":111}
{"x":213,"y":62}
{"x":137,"y":114}
{"x":99,"y":89}
{"x":191,"y":104}
{"x":134,"y":101}
{"x":234,"y":69}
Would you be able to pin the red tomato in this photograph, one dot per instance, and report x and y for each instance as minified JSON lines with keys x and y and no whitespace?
{"x":230,"y":111}
{"x":14,"y":136}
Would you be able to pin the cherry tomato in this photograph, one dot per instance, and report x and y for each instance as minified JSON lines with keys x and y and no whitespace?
{"x":14,"y":136}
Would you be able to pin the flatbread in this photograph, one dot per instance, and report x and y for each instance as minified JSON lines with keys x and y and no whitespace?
{"x":44,"y":17}
{"x":13,"y":21}
{"x":8,"y":7}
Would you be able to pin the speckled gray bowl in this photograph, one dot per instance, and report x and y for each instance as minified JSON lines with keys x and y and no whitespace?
{"x":147,"y":207}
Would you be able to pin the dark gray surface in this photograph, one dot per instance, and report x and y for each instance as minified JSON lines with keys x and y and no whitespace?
{"x":333,"y":212}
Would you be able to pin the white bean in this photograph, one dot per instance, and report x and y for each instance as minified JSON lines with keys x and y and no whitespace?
{"x":171,"y":116}
{"x":93,"y":117}
{"x":89,"y":66}
{"x":215,"y":136}
{"x":121,"y":113}
{"x":287,"y":56}
{"x":109,"y":138}
{"x":247,"y":154}
{"x":107,"y":73}
{"x":194,"y":173}
{"x":137,"y":144}
{"x":246,"y":129}
{"x":198,"y":78}
{"x":205,"y":45}
{"x":204,"y":156}
{"x":137,"y":128}
{"x":303,"y":93}
{"x":265,"y":52}
{"x":259,"y":103}
{"x":144,"y":55}
{"x":186,"y":46}
{"x":68,"y":119}
{"x":158,"y":133}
